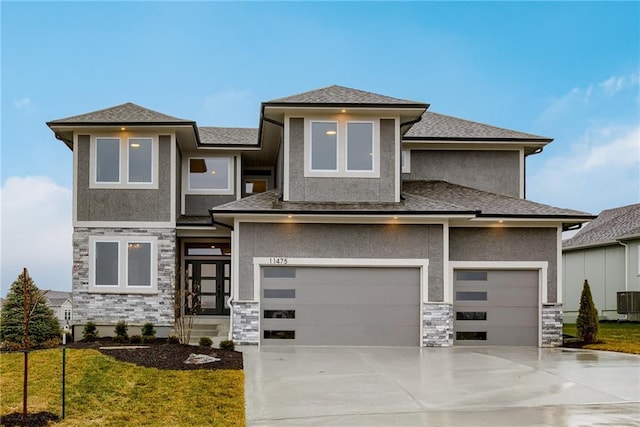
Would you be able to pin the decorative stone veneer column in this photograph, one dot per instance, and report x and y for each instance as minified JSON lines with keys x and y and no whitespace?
{"x":437,"y":325}
{"x":135,"y":309}
{"x":246,"y":317}
{"x":551,"y":325}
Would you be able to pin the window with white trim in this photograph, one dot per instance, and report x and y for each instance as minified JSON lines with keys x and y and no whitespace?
{"x":210,"y":175}
{"x":124,"y":162}
{"x":122,"y":264}
{"x":405,"y":161}
{"x":342,"y":148}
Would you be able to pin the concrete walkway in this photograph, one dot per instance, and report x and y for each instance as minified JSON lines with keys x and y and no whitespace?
{"x":485,"y":386}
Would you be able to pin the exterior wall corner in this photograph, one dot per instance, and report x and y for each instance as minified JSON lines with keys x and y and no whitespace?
{"x":437,"y":325}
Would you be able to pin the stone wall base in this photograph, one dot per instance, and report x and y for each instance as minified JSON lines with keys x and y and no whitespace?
{"x":245,"y":323}
{"x":551,"y":325}
{"x":437,"y":325}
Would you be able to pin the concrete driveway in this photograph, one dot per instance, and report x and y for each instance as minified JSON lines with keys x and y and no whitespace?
{"x":459,"y":386}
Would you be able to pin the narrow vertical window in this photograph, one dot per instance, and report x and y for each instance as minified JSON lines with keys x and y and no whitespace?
{"x":359,"y":146}
{"x":108,"y":160}
{"x":106,"y":264}
{"x":140,"y":160}
{"x":139,"y":264}
{"x":324,"y":146}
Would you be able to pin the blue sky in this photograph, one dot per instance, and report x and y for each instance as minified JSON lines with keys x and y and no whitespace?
{"x":567,"y":70}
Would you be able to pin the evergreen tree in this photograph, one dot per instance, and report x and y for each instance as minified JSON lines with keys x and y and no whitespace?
{"x":43,"y":325}
{"x":587,"y":323}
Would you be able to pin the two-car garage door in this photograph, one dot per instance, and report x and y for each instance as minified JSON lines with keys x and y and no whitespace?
{"x":351,"y":306}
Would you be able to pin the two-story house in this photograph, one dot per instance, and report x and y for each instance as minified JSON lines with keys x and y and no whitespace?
{"x":346,"y":218}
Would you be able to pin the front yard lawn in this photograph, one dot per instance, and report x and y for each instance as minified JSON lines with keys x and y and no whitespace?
{"x":103,"y":391}
{"x":621,"y":337}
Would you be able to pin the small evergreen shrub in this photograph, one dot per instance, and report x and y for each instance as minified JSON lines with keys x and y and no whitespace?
{"x":121,"y":331}
{"x":148,"y":339}
{"x":148,"y":330}
{"x":227,"y":345}
{"x":90,"y":332}
{"x":587,"y":323}
{"x":173,"y":339}
{"x":205,"y":342}
{"x":135,"y":339}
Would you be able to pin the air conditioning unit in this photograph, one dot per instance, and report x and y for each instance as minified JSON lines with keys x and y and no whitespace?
{"x":628,"y":302}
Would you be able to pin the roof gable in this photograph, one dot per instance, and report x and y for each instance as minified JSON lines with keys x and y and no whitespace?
{"x":340,"y":95}
{"x":123,"y":113}
{"x":442,"y":127}
{"x":609,"y":226}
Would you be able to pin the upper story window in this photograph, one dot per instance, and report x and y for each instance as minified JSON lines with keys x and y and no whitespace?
{"x":405,"y":161}
{"x":210,"y":175}
{"x":342,"y":148}
{"x":124,"y":162}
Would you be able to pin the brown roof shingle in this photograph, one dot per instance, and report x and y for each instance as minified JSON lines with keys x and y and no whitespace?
{"x":123,"y":113}
{"x":340,"y":95}
{"x":228,"y":136}
{"x":609,"y":226}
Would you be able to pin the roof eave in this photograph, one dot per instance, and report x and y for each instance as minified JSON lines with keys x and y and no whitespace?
{"x":543,"y":141}
{"x":346,"y":104}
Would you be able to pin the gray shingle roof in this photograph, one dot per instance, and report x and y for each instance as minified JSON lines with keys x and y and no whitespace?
{"x":123,"y":113}
{"x":440,"y":126}
{"x":343,"y":96}
{"x":228,"y":136}
{"x":56,"y":298}
{"x":427,"y":197}
{"x":609,"y":226}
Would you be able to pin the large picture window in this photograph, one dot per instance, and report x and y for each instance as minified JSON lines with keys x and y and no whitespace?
{"x":210,"y":175}
{"x":342,"y":148}
{"x":124,"y":162}
{"x":122,"y":264}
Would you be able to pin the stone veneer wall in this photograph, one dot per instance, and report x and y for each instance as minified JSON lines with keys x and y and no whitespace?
{"x":135,"y":309}
{"x":246,"y":318}
{"x":551,"y":325}
{"x":437,"y":325}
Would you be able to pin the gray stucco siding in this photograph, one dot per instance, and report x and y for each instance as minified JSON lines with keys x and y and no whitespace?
{"x":196,"y":204}
{"x":508,"y":244}
{"x":340,"y":241}
{"x":492,"y":171}
{"x":342,"y":189}
{"x":123,"y":204}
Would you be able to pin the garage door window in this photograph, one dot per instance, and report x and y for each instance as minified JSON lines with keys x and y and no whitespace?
{"x":471,"y":275}
{"x":279,"y":293}
{"x":471,"y":296}
{"x":280,"y":272}
{"x":279,"y":335}
{"x":279,"y":314}
{"x":471,"y":336}
{"x":471,"y":315}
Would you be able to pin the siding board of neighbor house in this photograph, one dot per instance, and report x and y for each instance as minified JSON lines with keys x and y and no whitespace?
{"x":492,"y":171}
{"x":340,"y":241}
{"x":325,"y":189}
{"x":508,"y":244}
{"x":97,"y":204}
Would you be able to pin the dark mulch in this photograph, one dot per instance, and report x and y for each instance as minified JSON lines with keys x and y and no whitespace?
{"x":37,"y":419}
{"x":162,"y":355}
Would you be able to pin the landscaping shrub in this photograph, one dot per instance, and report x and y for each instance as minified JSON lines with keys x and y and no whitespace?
{"x":173,"y":339}
{"x":135,"y":339}
{"x":148,"y":339}
{"x":587,"y":323}
{"x":121,"y":331}
{"x":227,"y":345}
{"x":90,"y":332}
{"x":148,"y":330}
{"x":205,"y":342}
{"x":43,"y":325}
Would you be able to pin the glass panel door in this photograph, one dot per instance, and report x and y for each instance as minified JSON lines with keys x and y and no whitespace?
{"x":208,"y":287}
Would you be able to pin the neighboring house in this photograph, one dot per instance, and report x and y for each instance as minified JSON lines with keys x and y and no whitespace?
{"x":345,"y":218}
{"x":606,"y":252}
{"x":61,"y":304}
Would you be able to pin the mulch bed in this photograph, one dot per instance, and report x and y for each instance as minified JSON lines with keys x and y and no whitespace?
{"x":36,"y":419}
{"x":163,"y":355}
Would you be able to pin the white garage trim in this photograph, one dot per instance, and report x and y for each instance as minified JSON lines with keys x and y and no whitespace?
{"x":541,"y":266}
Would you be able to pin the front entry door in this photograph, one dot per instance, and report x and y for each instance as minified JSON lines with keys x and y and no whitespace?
{"x":208,"y":286}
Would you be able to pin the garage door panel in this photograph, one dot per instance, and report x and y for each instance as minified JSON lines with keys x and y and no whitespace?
{"x":504,"y":308}
{"x":341,"y":306}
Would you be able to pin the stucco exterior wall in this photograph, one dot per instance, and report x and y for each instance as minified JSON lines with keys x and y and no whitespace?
{"x":340,"y":241}
{"x":492,"y":171}
{"x":98,"y":204}
{"x":604,"y":268}
{"x":329,"y":189}
{"x":508,"y":244}
{"x":135,"y":309}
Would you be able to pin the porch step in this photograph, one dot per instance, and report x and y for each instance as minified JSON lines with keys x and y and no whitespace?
{"x":216,"y":328}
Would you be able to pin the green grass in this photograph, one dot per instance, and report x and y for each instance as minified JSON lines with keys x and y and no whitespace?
{"x":620,"y":337}
{"x":103,"y":391}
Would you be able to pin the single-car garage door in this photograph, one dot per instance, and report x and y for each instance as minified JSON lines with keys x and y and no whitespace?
{"x":496,"y":307}
{"x":378,"y":306}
